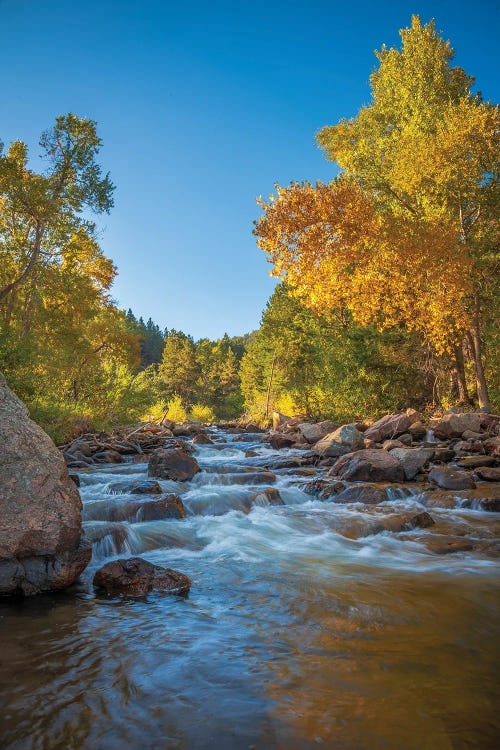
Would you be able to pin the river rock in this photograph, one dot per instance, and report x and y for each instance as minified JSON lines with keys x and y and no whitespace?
{"x":492,"y":446}
{"x":170,"y":506}
{"x":279,"y":420}
{"x":253,"y":428}
{"x":279,"y":441}
{"x":451,"y":479}
{"x":444,"y":455}
{"x":251,"y":477}
{"x":137,"y":577}
{"x":418,"y":431}
{"x":108,"y":457}
{"x":447,"y":545}
{"x":267,"y":497}
{"x":412,"y":459}
{"x":145,"y":487}
{"x":392,"y":425}
{"x":388,"y":445}
{"x":488,"y":474}
{"x":312,"y":433}
{"x":41,"y":546}
{"x":345,"y":439}
{"x":368,"y":494}
{"x":369,"y":465}
{"x":454,"y":425}
{"x":173,"y":464}
{"x":469,"y":435}
{"x":324,"y":488}
{"x":473,"y":462}
{"x":359,"y":526}
{"x":437,"y":499}
{"x":202,"y":439}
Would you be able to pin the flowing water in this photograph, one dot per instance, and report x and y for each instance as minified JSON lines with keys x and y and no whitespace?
{"x":301,"y":630}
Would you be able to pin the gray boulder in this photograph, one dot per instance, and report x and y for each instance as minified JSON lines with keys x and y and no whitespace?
{"x":454,"y":425}
{"x":451,"y":479}
{"x":412,"y":459}
{"x":41,"y":542}
{"x":345,"y":439}
{"x":312,"y":433}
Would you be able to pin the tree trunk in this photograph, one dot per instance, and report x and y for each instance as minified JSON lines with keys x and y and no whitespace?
{"x":476,"y":346}
{"x":459,"y":377}
{"x":35,"y":253}
{"x":270,"y":384}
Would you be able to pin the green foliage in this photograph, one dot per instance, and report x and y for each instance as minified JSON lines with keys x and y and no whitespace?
{"x":325,"y":366}
{"x":65,"y":348}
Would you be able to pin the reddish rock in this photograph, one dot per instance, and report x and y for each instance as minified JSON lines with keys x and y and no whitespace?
{"x":202,"y":439}
{"x":447,"y":545}
{"x":492,"y":446}
{"x":392,"y":425}
{"x":175,"y":464}
{"x":267,"y":497}
{"x":41,"y":546}
{"x":488,"y":474}
{"x":137,"y":577}
{"x":170,"y":506}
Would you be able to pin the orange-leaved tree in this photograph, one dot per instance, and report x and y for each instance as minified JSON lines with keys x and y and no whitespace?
{"x":408,"y":234}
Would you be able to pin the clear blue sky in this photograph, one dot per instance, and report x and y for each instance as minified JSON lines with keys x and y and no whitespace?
{"x":202,"y":106}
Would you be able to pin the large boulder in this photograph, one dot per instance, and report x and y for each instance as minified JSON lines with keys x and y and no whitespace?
{"x":412,"y":459}
{"x":454,"y":425}
{"x":312,"y":433}
{"x":345,"y":439}
{"x":175,"y":464}
{"x":392,"y":425}
{"x":137,"y":577}
{"x":41,"y":543}
{"x":369,"y":465}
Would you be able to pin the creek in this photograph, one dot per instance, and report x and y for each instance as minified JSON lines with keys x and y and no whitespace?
{"x":296,"y":634}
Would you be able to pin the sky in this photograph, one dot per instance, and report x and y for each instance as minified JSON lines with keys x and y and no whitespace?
{"x":202,"y":107}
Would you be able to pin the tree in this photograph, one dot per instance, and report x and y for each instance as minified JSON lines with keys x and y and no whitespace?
{"x":41,"y":212}
{"x":179,"y":370}
{"x":327,"y":366}
{"x":407,"y":235}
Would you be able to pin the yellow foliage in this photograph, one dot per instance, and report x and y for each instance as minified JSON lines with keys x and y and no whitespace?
{"x":200,"y":413}
{"x":175,"y":410}
{"x":337,"y":250}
